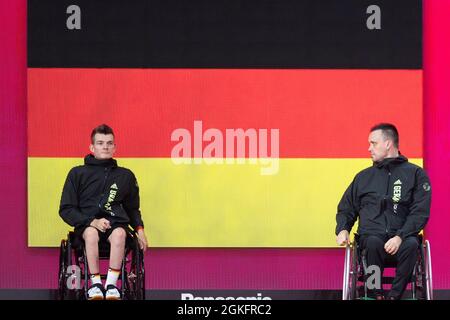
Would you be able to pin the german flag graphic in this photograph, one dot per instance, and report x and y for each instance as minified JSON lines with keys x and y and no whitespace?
{"x":243,"y":120}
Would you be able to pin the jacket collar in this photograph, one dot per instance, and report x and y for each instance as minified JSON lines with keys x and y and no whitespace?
{"x":90,"y":160}
{"x":389,"y":162}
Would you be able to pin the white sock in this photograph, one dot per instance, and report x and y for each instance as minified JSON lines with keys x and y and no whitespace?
{"x":95,"y":278}
{"x":113,"y":275}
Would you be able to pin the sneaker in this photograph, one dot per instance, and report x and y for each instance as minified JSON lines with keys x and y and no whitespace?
{"x":112,"y":293}
{"x":95,"y":292}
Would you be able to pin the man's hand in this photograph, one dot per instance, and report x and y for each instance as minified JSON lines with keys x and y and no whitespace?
{"x":142,"y":239}
{"x":101,"y":224}
{"x":342,"y":238}
{"x":392,"y":245}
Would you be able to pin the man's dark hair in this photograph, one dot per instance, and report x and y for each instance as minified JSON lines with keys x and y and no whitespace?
{"x":102,"y":129}
{"x":389,"y":131}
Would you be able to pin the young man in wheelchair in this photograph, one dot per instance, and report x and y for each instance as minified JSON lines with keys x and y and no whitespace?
{"x":101,"y":200}
{"x":392,"y":199}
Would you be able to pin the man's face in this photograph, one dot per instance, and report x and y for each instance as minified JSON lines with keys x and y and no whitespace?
{"x":378,"y":146}
{"x":103,"y":147}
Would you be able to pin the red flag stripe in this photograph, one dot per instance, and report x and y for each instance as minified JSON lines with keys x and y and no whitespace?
{"x":319,"y":113}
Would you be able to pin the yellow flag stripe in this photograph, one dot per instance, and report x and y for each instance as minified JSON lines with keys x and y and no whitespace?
{"x":211,"y":205}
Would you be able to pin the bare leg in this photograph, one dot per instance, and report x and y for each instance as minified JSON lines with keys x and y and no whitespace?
{"x":91,"y":238}
{"x":117,"y":241}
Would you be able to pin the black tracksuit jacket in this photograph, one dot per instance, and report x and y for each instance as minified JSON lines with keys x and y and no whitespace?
{"x":390,"y":198}
{"x":100,"y":189}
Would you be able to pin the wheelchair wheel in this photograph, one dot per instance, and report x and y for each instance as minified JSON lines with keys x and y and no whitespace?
{"x":354,"y":292}
{"x":418,"y":285}
{"x":69,"y":271}
{"x":349,"y":291}
{"x":423,"y":274}
{"x":139,"y":283}
{"x":62,"y":276}
{"x":428,"y":271}
{"x":135,"y":278}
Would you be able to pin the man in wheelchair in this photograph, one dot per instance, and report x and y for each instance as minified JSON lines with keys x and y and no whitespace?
{"x":101,"y":199}
{"x":392,"y":200}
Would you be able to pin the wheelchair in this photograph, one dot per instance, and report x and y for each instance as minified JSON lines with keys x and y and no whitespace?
{"x":356,"y":273}
{"x":73,"y":275}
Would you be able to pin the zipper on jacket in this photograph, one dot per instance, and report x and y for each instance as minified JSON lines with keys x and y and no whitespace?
{"x":385,"y":200}
{"x":103,"y":188}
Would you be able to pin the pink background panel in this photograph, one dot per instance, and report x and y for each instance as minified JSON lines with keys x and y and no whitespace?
{"x":294,"y":269}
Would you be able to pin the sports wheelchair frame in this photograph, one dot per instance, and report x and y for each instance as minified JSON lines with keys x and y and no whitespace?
{"x":73,"y":275}
{"x":355,"y":273}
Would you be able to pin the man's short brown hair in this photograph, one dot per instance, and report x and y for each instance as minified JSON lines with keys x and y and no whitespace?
{"x":389,"y":131}
{"x":102,"y":129}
